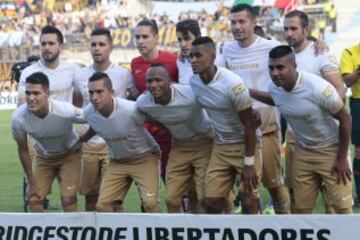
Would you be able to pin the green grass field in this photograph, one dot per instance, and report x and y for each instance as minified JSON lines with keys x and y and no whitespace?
{"x":11,"y":178}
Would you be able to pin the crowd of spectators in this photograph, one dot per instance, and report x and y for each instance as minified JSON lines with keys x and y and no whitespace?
{"x":21,"y":21}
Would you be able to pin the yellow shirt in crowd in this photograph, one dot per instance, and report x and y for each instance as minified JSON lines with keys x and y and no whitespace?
{"x":350,"y":61}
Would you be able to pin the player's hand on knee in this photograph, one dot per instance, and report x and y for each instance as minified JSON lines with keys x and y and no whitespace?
{"x":249,"y":178}
{"x":342,"y":170}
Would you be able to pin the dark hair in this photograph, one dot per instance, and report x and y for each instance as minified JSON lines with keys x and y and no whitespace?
{"x":188,"y":25}
{"x":204,"y":40}
{"x":102,"y":32}
{"x":258,"y":30}
{"x":159,"y":65}
{"x":52,"y":30}
{"x":304,"y":19}
{"x":281,"y":51}
{"x":97,"y":76}
{"x":149,"y":23}
{"x":244,"y":7}
{"x":38,"y":78}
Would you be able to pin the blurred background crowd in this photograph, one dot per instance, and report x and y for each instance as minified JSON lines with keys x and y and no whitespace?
{"x":21,"y":20}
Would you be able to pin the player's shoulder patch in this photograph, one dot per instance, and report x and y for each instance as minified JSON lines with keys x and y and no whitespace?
{"x":328,"y":91}
{"x":239,"y":88}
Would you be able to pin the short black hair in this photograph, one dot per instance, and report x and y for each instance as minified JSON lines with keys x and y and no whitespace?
{"x":38,"y":78}
{"x":149,"y":23}
{"x":188,"y":25}
{"x":102,"y":32}
{"x":304,"y":19}
{"x":258,"y":30}
{"x":244,"y":7}
{"x":281,"y":51}
{"x":204,"y":40}
{"x":159,"y":65}
{"x":97,"y":76}
{"x":52,"y":30}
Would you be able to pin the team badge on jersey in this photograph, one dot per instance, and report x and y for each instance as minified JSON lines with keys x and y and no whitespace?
{"x":238,"y":89}
{"x":328,"y":91}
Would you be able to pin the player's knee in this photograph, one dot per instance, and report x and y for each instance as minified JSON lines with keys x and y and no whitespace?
{"x":282,"y":208}
{"x":90,"y":203}
{"x":280,"y":200}
{"x":35,"y":205}
{"x":105,"y":207}
{"x":229,"y":204}
{"x":303,"y":210}
{"x":69,"y":203}
{"x":343,"y":210}
{"x":250,"y":205}
{"x":118,"y":206}
{"x":115,"y":206}
{"x":214,"y":205}
{"x":151,"y":203}
{"x":173,"y":203}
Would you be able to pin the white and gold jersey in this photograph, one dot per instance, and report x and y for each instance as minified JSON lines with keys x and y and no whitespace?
{"x":251,"y":64}
{"x":183,"y":116}
{"x":121,"y":80}
{"x":318,"y":65}
{"x":61,"y":79}
{"x":123,"y":130}
{"x":120,"y":77}
{"x":308,"y":109}
{"x":222,"y":99}
{"x":54,"y":134}
{"x":185,"y":71}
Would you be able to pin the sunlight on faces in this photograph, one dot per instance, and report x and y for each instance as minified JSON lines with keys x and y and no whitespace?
{"x":242,"y":25}
{"x":158,"y":82}
{"x":100,"y":48}
{"x":100,"y":94}
{"x":50,"y":47}
{"x":36,"y":97}
{"x":294,"y":32}
{"x":283,"y":71}
{"x":185,"y":41}
{"x":202,"y":58}
{"x":146,"y":41}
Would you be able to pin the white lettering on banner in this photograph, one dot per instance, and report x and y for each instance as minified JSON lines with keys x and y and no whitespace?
{"x":109,"y":226}
{"x":8,"y":100}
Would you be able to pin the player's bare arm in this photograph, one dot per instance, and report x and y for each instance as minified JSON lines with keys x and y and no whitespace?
{"x":249,"y":174}
{"x":333,"y":76}
{"x":24,"y":155}
{"x":87,"y":135}
{"x":341,"y":167}
{"x":78,"y":99}
{"x":262,"y":96}
{"x":351,"y":78}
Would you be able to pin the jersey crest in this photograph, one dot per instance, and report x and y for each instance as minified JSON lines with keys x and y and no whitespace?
{"x":238,"y":89}
{"x":328,"y":91}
